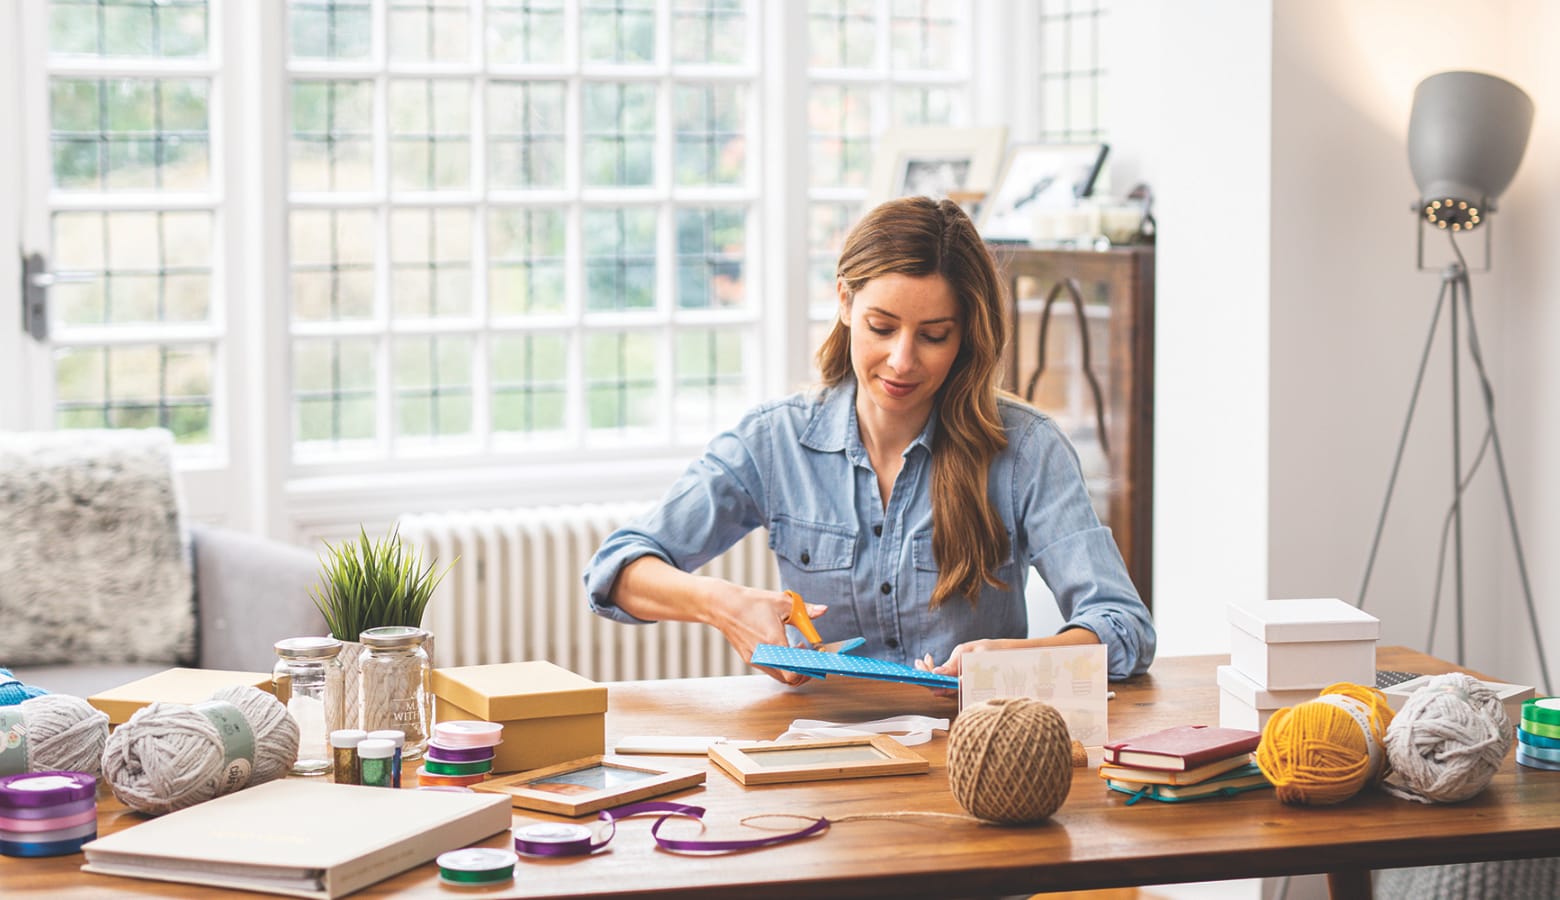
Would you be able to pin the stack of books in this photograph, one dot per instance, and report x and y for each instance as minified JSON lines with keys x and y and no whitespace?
{"x":1187,"y":762}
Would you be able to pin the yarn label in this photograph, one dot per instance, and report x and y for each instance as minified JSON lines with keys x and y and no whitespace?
{"x":238,"y":742}
{"x":1361,"y":715}
{"x":13,"y":741}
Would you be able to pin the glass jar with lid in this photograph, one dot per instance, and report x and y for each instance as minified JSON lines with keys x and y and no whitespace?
{"x":393,"y":685}
{"x":308,"y":680}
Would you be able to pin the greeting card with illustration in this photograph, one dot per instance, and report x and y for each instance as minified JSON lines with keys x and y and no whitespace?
{"x":1071,"y":679}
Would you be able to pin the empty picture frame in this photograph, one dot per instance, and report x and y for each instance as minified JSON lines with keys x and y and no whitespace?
{"x":931,"y":162}
{"x":584,"y":786}
{"x":1039,"y":177}
{"x":817,"y":760}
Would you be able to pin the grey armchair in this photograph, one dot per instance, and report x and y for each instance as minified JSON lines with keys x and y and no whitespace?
{"x":249,"y":593}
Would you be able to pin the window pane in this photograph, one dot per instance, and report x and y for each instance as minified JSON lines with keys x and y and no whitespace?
{"x":828,"y":225}
{"x":709,"y":32}
{"x":839,"y":121}
{"x":710,"y":387}
{"x":333,"y":390}
{"x":149,"y":267}
{"x":525,"y":31}
{"x":331,"y":29}
{"x":525,"y":261}
{"x":432,"y":377}
{"x":842,"y":34}
{"x":620,"y":380}
{"x":619,"y":259}
{"x":129,"y":133}
{"x":711,"y":146}
{"x":139,"y":386}
{"x":923,"y":106}
{"x":619,"y":125}
{"x":618,"y":31}
{"x":332,"y":136}
{"x":530,"y":382}
{"x":526,"y":134}
{"x":429,"y":30}
{"x":430,"y":134}
{"x":710,"y":250}
{"x":430,"y":263}
{"x":332,"y":264}
{"x":134,"y":28}
{"x":923,"y":36}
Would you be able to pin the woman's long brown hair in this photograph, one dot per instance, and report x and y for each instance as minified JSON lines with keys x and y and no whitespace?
{"x":917,"y":237}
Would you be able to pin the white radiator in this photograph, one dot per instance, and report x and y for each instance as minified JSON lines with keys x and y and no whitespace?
{"x":515,"y":593}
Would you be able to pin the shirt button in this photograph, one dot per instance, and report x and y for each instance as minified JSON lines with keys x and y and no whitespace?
{"x":886,"y":588}
{"x":892,"y":643}
{"x":805,"y":558}
{"x":877,"y":530}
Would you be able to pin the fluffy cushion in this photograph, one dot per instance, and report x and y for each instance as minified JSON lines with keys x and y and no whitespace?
{"x":94,"y":567}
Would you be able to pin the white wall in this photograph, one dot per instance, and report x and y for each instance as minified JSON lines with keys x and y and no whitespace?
{"x":1350,"y":315}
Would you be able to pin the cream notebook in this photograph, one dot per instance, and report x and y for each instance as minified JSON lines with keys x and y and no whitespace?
{"x":299,"y":837}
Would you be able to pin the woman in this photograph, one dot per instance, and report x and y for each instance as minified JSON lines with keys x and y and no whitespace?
{"x":904,"y":492}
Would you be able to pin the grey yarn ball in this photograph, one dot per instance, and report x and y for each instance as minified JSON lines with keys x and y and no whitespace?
{"x":64,"y":734}
{"x":170,"y":756}
{"x":1448,"y":741}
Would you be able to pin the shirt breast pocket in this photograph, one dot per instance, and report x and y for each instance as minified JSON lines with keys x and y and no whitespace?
{"x":925,"y":561}
{"x":815,"y":558}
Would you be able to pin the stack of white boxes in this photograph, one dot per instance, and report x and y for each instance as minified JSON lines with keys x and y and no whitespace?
{"x":1283,"y":652}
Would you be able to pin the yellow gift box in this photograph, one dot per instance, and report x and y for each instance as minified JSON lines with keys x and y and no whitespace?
{"x":185,"y":686}
{"x":550,"y":715}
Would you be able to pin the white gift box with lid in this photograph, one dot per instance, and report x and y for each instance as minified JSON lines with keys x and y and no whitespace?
{"x":1245,"y":704}
{"x":1286,"y":645}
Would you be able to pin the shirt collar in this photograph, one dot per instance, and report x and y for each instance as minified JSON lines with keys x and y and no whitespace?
{"x":834,"y":428}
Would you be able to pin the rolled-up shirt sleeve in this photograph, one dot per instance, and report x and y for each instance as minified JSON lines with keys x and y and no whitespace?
{"x":1078,"y":557}
{"x":716,"y":501}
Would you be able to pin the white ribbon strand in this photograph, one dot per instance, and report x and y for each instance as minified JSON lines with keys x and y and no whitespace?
{"x":908,"y":730}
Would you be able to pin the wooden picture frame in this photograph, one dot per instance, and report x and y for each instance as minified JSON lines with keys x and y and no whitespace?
{"x":1040,"y":177}
{"x":583,"y":786}
{"x":779,"y":762}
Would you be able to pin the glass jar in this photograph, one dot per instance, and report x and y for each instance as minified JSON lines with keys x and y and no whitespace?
{"x":393,"y":688}
{"x":308,"y":679}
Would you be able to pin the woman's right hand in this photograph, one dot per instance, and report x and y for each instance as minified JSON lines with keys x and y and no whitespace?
{"x":747,"y":617}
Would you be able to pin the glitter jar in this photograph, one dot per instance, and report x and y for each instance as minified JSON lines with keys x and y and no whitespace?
{"x":377,"y":759}
{"x":308,"y":680}
{"x":393,"y":685}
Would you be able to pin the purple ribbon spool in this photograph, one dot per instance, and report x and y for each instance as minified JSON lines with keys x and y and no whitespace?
{"x":560,"y":839}
{"x":458,"y":754}
{"x":37,"y":790}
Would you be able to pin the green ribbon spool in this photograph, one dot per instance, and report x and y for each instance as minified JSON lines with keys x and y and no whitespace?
{"x":238,"y":742}
{"x":1544,"y":710}
{"x":435,"y":767}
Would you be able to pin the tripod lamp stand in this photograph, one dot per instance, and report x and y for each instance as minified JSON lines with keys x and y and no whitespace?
{"x":1466,"y":137}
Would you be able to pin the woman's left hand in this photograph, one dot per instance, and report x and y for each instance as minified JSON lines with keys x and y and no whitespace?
{"x":953,"y":664}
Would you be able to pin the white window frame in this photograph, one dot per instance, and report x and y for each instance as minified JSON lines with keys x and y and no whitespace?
{"x":253,"y":484}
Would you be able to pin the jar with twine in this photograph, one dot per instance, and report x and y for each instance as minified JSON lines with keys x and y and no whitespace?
{"x":393,"y":686}
{"x":1010,"y":760}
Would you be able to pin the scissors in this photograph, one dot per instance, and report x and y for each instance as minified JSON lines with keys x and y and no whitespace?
{"x":803,"y":623}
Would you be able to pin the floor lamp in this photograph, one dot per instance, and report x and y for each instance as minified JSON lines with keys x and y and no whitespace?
{"x":1466,"y":137}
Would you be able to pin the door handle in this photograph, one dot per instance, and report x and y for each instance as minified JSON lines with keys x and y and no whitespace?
{"x":36,"y":281}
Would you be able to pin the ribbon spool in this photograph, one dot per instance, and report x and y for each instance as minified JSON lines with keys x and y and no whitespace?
{"x":47,"y":813}
{"x":476,"y":866}
{"x":552,"y":839}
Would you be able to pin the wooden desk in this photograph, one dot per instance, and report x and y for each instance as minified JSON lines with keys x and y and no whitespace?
{"x":1095,"y":840}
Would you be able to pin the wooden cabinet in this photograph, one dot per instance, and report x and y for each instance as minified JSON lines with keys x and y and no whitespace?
{"x":1082,"y":350}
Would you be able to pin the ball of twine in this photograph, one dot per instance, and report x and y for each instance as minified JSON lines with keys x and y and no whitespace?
{"x":170,"y":756}
{"x":64,"y":734}
{"x":1010,"y":760}
{"x":12,"y":691}
{"x":1448,"y":740}
{"x":1326,"y":750}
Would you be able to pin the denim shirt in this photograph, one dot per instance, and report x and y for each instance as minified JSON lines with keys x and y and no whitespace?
{"x":798,"y":468}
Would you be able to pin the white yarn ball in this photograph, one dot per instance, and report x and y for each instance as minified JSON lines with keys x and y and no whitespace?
{"x":170,"y":756}
{"x":1448,"y":741}
{"x":64,"y":734}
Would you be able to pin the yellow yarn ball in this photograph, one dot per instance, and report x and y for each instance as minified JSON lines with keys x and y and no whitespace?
{"x":1326,"y":750}
{"x":1010,"y":760}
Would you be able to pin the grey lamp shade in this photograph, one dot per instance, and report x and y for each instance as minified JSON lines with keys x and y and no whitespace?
{"x":1466,"y":136}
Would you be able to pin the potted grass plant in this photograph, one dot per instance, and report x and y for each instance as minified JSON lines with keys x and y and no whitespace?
{"x":367,"y":584}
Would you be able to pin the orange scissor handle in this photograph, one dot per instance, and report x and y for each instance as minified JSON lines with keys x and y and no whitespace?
{"x":800,"y":619}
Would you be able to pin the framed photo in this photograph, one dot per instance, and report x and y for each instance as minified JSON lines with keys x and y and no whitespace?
{"x":778,"y":762}
{"x":933,"y":162}
{"x":587,"y":785}
{"x":1039,"y":177}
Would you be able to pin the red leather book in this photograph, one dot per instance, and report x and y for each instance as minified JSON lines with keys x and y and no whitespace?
{"x":1182,"y":747}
